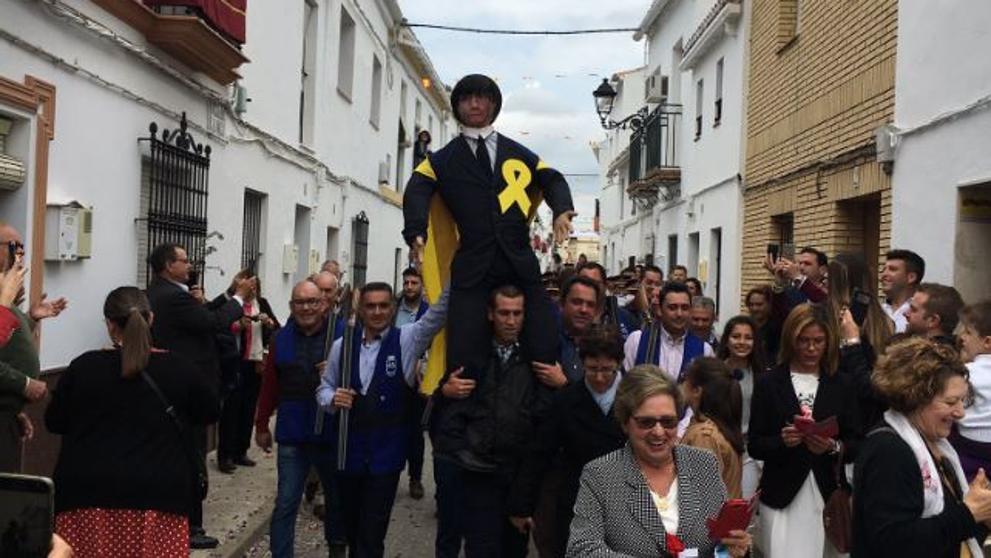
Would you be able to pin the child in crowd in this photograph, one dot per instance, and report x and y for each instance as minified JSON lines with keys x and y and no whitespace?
{"x":972,"y":436}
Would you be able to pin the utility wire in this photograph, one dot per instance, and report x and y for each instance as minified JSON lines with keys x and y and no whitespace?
{"x":519,"y":32}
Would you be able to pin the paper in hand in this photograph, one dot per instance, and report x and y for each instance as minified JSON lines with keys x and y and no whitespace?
{"x":735,"y":515}
{"x":827,"y":428}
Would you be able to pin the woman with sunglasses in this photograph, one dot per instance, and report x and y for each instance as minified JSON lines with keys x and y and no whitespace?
{"x":651,"y":497}
{"x":580,"y":426}
{"x":801,"y":470}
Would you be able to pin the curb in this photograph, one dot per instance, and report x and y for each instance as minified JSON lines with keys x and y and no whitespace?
{"x":255,"y":530}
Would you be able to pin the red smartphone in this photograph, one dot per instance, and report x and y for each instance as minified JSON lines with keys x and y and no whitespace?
{"x":26,"y":515}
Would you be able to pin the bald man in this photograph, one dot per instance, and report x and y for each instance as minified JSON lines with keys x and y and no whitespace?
{"x":303,"y":431}
{"x":19,"y":363}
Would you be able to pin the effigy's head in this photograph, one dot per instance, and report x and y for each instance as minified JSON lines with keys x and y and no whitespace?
{"x":476,"y":101}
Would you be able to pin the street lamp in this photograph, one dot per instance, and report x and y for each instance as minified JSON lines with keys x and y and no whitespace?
{"x":605,"y":96}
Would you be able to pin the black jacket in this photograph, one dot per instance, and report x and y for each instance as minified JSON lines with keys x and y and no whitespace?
{"x":472,"y":197}
{"x":887,"y":508}
{"x":186,"y":327}
{"x":578,"y":431}
{"x":493,"y":427}
{"x":774,"y":405}
{"x":119,"y":448}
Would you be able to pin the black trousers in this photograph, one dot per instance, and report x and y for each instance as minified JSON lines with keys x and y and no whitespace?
{"x":10,"y":442}
{"x":469,"y":341}
{"x":367,"y":502}
{"x":417,"y":446}
{"x":196,"y":499}
{"x":449,"y":495}
{"x":238,"y":415}
{"x":487,"y":530}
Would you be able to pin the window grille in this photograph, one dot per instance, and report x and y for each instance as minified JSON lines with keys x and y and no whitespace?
{"x":175,"y":175}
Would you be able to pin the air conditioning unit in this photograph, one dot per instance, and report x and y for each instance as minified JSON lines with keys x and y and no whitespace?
{"x":656,"y":87}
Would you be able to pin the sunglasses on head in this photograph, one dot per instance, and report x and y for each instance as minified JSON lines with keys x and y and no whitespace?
{"x":647,"y":423}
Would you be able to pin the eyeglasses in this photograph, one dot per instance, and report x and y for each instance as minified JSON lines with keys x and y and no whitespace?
{"x":811,"y":341}
{"x":647,"y":423}
{"x":306,"y":302}
{"x":600,"y":371}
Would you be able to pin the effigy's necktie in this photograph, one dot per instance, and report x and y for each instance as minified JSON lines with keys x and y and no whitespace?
{"x":482,"y":154}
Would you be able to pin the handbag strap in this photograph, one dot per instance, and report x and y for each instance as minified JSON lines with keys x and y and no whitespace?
{"x":169,"y":408}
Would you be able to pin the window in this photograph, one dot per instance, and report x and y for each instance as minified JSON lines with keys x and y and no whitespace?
{"x":376,"y":92}
{"x":783,"y":234}
{"x":699,"y":88}
{"x":403,"y":95}
{"x":307,"y":88}
{"x":174,"y":190}
{"x":719,"y":94}
{"x":693,"y":254}
{"x":430,"y":124}
{"x":417,"y":116}
{"x":789,"y":21}
{"x":345,"y":56}
{"x":251,"y":229}
{"x":359,"y":249}
{"x":672,"y":251}
{"x":397,"y":262}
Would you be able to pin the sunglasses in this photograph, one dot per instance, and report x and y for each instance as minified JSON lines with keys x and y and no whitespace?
{"x":648,"y":423}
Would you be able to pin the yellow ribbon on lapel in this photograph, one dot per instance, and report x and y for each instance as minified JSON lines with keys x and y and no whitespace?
{"x":517,"y":176}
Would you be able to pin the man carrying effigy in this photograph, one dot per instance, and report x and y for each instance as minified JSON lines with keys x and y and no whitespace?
{"x":468,"y":209}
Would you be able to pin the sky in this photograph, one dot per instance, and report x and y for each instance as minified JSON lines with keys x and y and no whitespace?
{"x":546,"y":81}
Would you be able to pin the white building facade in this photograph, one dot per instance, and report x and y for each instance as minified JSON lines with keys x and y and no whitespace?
{"x":309,"y":127}
{"x":684,"y":164}
{"x":941,"y":145}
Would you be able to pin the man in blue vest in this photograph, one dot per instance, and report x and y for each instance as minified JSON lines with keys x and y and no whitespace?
{"x":305,"y":433}
{"x":411,"y":305}
{"x":667,"y":342}
{"x":382,"y":376}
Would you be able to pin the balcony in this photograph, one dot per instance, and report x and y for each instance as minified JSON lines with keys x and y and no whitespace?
{"x":655,"y":173}
{"x":187,"y":38}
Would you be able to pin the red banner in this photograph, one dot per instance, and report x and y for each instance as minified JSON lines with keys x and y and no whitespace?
{"x":226,"y":16}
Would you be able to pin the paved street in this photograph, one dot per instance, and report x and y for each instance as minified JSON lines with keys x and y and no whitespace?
{"x":411,"y":533}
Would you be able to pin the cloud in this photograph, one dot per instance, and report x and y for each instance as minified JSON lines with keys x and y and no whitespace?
{"x":546,"y":81}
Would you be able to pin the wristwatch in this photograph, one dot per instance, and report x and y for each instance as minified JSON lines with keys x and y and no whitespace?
{"x":849,"y":342}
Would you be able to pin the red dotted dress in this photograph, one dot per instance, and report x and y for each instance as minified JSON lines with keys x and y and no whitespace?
{"x":111,"y":533}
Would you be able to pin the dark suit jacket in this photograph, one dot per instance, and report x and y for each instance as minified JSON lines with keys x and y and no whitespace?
{"x":615,"y":516}
{"x":186,"y":327}
{"x":473,"y":200}
{"x":774,"y":405}
{"x":576,"y":428}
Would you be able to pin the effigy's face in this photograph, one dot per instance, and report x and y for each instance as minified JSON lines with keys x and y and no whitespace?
{"x":476,"y":110}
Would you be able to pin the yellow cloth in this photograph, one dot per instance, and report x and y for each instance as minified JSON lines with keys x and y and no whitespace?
{"x":438,"y":253}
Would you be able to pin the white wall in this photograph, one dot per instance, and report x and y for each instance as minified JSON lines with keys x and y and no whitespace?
{"x":95,"y":156}
{"x":941,"y":68}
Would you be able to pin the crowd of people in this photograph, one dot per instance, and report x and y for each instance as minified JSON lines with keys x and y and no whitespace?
{"x":581,"y":413}
{"x":620,"y":446}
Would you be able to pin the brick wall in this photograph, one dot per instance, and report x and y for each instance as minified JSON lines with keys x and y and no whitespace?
{"x":816,"y":94}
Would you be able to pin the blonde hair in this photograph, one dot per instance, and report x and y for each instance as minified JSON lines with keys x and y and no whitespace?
{"x":801,"y":317}
{"x":914,"y":371}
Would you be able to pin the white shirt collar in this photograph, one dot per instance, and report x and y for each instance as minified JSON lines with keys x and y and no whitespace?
{"x":475,"y":133}
{"x":671,"y":339}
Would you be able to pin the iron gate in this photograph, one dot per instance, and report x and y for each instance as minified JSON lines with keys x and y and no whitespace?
{"x":359,"y":235}
{"x":177,"y":176}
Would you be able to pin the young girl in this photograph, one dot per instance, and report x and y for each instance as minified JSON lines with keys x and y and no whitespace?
{"x":972,"y":437}
{"x":714,"y":397}
{"x":739,"y":349}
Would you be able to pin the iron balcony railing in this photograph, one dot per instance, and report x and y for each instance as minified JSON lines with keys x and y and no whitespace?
{"x":655,"y":144}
